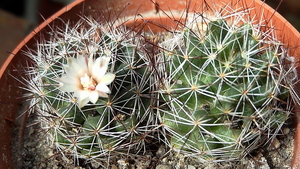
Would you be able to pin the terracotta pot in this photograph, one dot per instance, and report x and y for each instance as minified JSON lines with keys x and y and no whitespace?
{"x":146,"y":14}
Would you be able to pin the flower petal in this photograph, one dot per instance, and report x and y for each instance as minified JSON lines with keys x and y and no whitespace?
{"x":69,"y":88}
{"x":78,"y":65}
{"x":99,"y":67}
{"x":93,"y":97}
{"x":81,"y":95}
{"x":66,"y":79}
{"x":82,"y":103}
{"x":90,"y":64}
{"x":102,"y":88}
{"x":102,"y":94}
{"x":70,"y":71}
{"x":106,"y":79}
{"x":69,"y":84}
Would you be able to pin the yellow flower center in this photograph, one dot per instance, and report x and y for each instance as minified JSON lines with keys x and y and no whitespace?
{"x":88,"y":83}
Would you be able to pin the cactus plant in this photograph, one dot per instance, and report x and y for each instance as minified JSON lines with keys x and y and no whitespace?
{"x":218,"y":87}
{"x":91,"y":86}
{"x":224,"y":86}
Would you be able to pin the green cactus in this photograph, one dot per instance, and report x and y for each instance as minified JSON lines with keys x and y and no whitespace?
{"x":212,"y":89}
{"x":117,"y":122}
{"x":222,"y":90}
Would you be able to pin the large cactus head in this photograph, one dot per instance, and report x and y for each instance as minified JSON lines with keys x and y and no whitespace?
{"x":224,"y":87}
{"x":92,"y":88}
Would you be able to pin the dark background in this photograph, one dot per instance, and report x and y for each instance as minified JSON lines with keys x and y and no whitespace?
{"x":32,"y":10}
{"x":289,"y":9}
{"x":19,"y":17}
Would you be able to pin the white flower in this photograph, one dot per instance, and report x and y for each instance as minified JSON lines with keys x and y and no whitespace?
{"x":87,"y":78}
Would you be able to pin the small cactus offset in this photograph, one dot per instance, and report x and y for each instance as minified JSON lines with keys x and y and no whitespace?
{"x":216,"y":88}
{"x":91,"y":87}
{"x":224,"y":87}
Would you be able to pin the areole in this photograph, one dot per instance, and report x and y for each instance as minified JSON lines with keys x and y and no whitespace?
{"x":148,"y":14}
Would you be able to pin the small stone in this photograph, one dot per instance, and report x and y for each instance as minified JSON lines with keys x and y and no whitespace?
{"x":191,"y":167}
{"x":95,"y":164}
{"x":161,"y":151}
{"x":263,"y":164}
{"x":286,"y":131}
{"x":275,"y":144}
{"x":143,"y":163}
{"x":123,"y":164}
{"x":163,"y":166}
{"x":164,"y":160}
{"x":114,"y":167}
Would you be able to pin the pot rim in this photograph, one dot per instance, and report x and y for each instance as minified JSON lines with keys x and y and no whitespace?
{"x":289,"y":30}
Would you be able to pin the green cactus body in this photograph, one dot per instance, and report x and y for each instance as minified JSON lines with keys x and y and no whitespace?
{"x":114,"y":123}
{"x":222,"y":89}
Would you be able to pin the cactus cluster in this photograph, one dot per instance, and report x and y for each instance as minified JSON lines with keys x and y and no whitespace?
{"x":213,"y":88}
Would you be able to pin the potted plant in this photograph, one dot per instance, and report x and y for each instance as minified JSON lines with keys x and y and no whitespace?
{"x":105,"y":80}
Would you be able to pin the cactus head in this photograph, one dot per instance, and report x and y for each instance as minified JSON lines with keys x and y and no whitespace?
{"x":224,"y":89}
{"x":95,"y":90}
